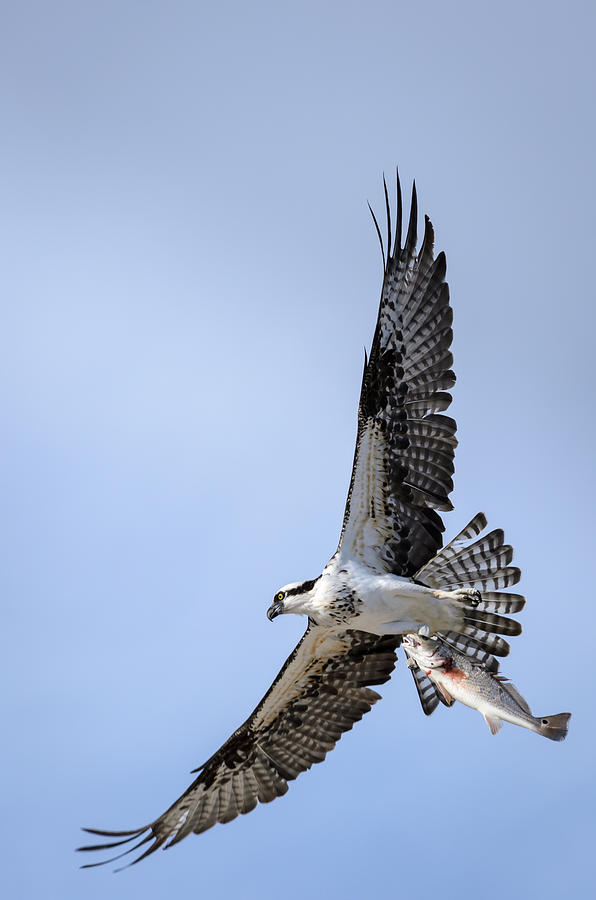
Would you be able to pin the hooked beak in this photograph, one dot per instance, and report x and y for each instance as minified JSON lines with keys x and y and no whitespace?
{"x":276,"y":609}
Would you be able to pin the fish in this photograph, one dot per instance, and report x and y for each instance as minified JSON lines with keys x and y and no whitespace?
{"x":459,"y":677}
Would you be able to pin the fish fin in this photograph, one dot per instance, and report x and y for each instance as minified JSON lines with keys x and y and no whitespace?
{"x":444,"y":695}
{"x":494,"y":723}
{"x":513,"y":692}
{"x":555,"y":727}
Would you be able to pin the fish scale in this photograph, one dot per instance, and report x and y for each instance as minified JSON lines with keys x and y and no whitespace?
{"x":458,"y":677}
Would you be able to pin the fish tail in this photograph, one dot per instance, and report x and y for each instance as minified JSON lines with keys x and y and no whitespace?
{"x":554,"y":727}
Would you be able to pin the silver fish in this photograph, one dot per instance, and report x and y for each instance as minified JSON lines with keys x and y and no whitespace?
{"x":458,"y":677}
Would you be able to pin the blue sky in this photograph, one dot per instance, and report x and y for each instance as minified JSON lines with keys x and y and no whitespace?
{"x":190,"y":276}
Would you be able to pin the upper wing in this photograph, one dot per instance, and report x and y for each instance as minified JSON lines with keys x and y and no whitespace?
{"x":319,"y":693}
{"x":404,"y":449}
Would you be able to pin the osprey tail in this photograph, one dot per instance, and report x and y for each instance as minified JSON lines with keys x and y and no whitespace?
{"x":481,"y":564}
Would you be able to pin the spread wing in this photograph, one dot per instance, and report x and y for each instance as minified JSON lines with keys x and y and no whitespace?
{"x":321,"y":690}
{"x":403,"y":461}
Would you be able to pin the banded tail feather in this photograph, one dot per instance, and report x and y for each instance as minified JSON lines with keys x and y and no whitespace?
{"x":472,"y":649}
{"x":427,"y":691}
{"x":492,"y":622}
{"x":491,"y":643}
{"x":482,"y":563}
{"x":500,"y":602}
{"x":500,"y":578}
{"x":464,"y":564}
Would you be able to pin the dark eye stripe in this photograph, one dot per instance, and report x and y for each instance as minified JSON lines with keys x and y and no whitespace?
{"x":302,"y":588}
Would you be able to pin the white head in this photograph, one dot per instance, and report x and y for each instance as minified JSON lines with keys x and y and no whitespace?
{"x":292,"y":598}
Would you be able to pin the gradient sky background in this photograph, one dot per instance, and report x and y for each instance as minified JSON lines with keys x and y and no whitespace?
{"x":190,"y":276}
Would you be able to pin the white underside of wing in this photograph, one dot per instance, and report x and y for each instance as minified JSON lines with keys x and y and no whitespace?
{"x":368,"y":528}
{"x":311,"y":656}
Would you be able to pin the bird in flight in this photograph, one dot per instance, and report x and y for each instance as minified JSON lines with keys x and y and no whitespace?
{"x":388,"y":576}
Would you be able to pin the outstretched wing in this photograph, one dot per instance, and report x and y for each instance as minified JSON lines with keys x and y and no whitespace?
{"x":321,"y":690}
{"x":403,"y":461}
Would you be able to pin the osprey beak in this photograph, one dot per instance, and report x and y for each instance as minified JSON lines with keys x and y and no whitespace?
{"x":276,"y":609}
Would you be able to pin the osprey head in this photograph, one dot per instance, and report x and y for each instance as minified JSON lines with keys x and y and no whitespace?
{"x":292,"y":598}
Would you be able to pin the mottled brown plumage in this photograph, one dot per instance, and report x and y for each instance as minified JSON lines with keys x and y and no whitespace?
{"x":320,"y":692}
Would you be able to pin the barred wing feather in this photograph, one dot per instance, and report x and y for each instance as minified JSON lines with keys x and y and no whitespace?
{"x":474,"y":560}
{"x":403,"y":460}
{"x":320,"y":692}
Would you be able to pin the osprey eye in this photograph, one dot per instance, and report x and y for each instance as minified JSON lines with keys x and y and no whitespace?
{"x":280,"y":595}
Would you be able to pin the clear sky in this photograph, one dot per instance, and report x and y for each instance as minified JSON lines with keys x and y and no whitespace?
{"x":190,"y":276}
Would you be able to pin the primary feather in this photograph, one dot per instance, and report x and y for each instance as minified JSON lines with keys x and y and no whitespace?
{"x":388,"y":574}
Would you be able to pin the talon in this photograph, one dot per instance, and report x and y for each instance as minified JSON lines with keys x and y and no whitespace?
{"x":475,"y":598}
{"x":469,"y":596}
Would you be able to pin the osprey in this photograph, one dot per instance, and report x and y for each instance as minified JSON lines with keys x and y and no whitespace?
{"x":388,"y":576}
